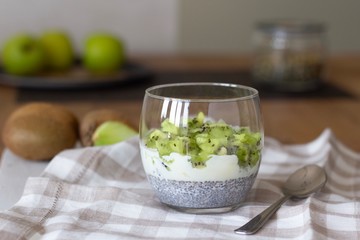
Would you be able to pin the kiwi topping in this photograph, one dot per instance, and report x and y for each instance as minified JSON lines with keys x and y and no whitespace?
{"x":200,"y":139}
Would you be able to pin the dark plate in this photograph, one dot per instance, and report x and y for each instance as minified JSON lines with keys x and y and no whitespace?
{"x":77,"y":78}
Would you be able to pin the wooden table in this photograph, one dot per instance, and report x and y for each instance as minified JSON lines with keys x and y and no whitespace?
{"x":288,"y":119}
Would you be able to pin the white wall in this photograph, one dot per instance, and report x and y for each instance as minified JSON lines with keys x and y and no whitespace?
{"x":146,"y":26}
{"x":226,"y":25}
{"x":186,"y":26}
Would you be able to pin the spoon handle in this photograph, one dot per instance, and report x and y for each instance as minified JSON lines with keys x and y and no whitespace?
{"x":257,"y":222}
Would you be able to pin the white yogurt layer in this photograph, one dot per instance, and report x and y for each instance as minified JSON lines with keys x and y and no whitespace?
{"x":179,"y":167}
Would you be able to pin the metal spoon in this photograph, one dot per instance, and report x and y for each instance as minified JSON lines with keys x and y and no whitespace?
{"x":300,"y":184}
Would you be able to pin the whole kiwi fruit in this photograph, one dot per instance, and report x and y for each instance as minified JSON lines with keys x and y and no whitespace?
{"x":93,"y":119}
{"x":39,"y":130}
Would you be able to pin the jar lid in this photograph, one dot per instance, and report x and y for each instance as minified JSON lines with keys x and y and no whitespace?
{"x":290,"y":26}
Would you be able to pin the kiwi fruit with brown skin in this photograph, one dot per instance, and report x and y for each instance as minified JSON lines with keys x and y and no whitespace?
{"x":95,"y":118}
{"x":39,"y":131}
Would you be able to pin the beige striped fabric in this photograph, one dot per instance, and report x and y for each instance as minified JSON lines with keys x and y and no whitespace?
{"x":102,"y":193}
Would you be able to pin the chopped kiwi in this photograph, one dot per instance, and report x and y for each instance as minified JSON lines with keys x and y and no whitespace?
{"x":154,"y":137}
{"x":200,"y":139}
{"x":179,"y":144}
{"x":209,"y":144}
{"x":169,"y":127}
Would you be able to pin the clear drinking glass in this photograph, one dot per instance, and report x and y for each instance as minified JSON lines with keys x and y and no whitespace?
{"x":201,"y":144}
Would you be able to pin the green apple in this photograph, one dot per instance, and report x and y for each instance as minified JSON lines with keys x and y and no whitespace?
{"x":58,"y":50}
{"x":103,"y":53}
{"x":22,"y":54}
{"x":111,"y":132}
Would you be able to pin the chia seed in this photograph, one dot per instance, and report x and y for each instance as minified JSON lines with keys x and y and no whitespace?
{"x":202,"y":194}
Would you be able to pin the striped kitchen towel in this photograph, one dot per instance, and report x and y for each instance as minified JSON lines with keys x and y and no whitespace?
{"x":102,"y":193}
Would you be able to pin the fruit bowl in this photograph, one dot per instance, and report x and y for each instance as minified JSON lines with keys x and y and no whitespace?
{"x":201,"y":144}
{"x":77,"y":77}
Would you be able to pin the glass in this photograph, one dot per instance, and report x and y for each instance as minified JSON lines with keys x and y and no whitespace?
{"x":201,"y":144}
{"x":289,"y":55}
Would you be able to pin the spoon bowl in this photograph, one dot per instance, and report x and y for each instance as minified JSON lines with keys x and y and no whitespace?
{"x":305,"y":181}
{"x":300,"y":184}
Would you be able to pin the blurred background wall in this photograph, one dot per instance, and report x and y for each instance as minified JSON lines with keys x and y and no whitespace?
{"x":179,"y":26}
{"x":226,"y":26}
{"x":146,"y":26}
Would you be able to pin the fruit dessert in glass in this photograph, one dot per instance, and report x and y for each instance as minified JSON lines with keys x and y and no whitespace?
{"x":201,"y":144}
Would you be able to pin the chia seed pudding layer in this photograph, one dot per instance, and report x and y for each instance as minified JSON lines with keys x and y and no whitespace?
{"x":202,"y":194}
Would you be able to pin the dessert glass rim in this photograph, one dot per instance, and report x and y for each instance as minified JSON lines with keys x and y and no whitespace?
{"x":251,"y":93}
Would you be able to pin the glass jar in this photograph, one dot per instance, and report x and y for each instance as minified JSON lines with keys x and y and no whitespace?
{"x":289,"y":55}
